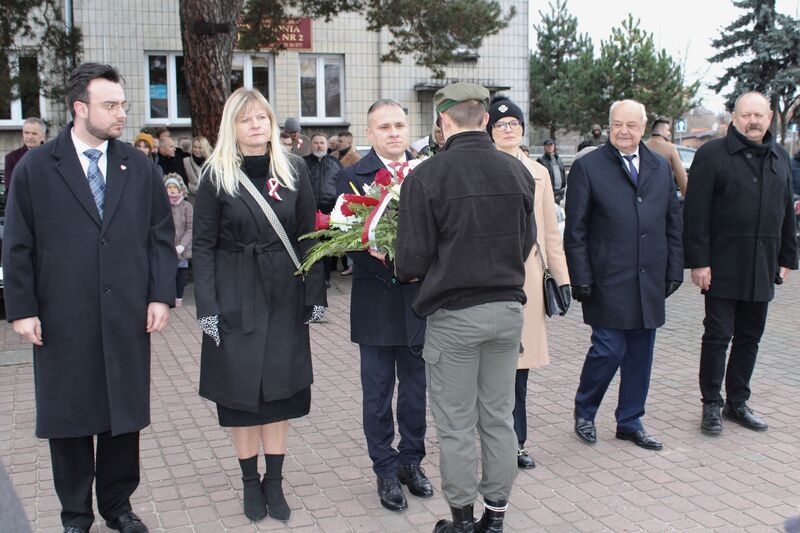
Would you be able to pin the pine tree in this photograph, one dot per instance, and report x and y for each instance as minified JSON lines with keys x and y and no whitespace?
{"x":431,"y":32}
{"x":633,"y":68}
{"x":562,"y":79}
{"x":767,"y":44}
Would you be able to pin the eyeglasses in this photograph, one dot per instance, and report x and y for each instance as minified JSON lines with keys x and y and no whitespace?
{"x":513,"y":125}
{"x":113,"y":107}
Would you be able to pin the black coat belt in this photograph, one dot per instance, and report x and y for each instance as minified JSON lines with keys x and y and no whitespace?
{"x":246,"y":262}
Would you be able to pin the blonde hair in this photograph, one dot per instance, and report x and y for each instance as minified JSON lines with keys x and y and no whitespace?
{"x":222,"y":166}
{"x":205,"y":146}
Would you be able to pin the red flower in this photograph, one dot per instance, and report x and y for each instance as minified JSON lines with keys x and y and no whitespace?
{"x":323,"y":221}
{"x":383,"y":177}
{"x":358,"y":199}
{"x":346,"y":211}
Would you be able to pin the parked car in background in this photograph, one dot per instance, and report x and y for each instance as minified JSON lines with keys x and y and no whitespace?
{"x":687,"y":156}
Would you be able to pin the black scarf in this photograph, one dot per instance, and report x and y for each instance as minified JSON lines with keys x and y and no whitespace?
{"x":760,"y":149}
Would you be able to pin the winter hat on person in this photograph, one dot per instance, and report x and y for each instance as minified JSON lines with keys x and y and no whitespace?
{"x":501,"y":107}
{"x":291,"y":125}
{"x":175,"y":179}
{"x":146,"y":137}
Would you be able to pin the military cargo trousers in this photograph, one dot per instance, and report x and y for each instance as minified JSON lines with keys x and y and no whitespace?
{"x":471,"y":363}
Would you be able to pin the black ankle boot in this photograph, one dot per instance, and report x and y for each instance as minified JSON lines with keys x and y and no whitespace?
{"x":492,"y":519}
{"x":255,"y":508}
{"x":463,"y":521}
{"x":272,"y":486}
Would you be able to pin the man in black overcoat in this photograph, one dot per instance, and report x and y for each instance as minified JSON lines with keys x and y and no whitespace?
{"x":389,"y":334}
{"x":323,"y":170}
{"x":624,"y":253}
{"x":739,"y":240}
{"x":89,"y":268}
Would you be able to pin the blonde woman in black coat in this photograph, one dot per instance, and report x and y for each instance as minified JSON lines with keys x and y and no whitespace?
{"x":256,"y":357}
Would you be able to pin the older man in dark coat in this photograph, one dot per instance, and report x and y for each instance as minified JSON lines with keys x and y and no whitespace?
{"x":389,"y":334}
{"x":33,"y":132}
{"x":89,"y":269}
{"x":739,"y":240}
{"x":623,"y":247}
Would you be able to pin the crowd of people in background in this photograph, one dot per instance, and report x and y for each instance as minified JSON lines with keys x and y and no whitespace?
{"x":457,"y":317}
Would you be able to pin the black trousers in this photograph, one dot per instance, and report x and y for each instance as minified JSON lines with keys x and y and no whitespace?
{"x":180,"y":281}
{"x":726,"y":319}
{"x":381,"y":366}
{"x":75,"y":468}
{"x":520,"y":415}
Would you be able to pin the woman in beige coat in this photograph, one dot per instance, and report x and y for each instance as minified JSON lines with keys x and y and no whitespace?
{"x":506,"y":126}
{"x":193,"y":163}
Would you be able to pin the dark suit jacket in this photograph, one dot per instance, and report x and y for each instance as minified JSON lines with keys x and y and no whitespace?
{"x":89,"y":281}
{"x":380,"y":306}
{"x":623,"y":240}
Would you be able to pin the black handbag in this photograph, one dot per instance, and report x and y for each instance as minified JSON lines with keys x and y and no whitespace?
{"x":554,"y":303}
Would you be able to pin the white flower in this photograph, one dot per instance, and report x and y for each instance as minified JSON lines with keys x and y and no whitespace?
{"x":395,"y":190}
{"x":338,"y":220}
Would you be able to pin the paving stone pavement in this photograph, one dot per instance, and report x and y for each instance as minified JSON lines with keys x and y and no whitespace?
{"x":740,"y":481}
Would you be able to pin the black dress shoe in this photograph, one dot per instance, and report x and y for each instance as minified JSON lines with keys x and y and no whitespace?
{"x":641,"y":438}
{"x":712,"y":422}
{"x":391,"y":494}
{"x":524,"y":460}
{"x":75,"y":529}
{"x":744,"y":416}
{"x":413,"y":477}
{"x":585,"y":430}
{"x":127,"y":522}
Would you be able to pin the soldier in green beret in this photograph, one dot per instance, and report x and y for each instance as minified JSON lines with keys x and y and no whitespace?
{"x":466,"y":227}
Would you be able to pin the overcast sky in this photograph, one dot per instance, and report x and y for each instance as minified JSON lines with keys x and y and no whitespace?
{"x":684,"y":28}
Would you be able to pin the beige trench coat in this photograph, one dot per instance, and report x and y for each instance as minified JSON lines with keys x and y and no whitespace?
{"x":534,"y":334}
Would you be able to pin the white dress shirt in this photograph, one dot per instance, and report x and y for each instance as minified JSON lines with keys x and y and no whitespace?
{"x":635,"y":160}
{"x":81,"y":147}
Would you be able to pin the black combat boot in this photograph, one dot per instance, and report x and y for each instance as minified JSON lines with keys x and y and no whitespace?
{"x":463,"y":521}
{"x":492,"y":519}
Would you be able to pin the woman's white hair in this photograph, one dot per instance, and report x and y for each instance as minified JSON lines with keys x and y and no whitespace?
{"x":620,"y":102}
{"x":223,"y":164}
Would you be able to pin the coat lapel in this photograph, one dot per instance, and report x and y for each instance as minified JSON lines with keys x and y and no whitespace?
{"x":365,"y":170}
{"x":647,"y":164}
{"x":116,"y":178}
{"x":69,"y":167}
{"x":613,"y":154}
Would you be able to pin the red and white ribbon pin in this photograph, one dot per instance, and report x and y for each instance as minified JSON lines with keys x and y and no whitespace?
{"x":273,"y":188}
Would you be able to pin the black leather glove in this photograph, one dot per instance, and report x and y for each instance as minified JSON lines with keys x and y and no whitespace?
{"x":582,"y":293}
{"x":565,"y":296}
{"x":778,"y":278}
{"x":672,"y":286}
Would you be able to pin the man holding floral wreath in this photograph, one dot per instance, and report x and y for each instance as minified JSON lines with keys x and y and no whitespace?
{"x":465,"y":228}
{"x":388,"y":332}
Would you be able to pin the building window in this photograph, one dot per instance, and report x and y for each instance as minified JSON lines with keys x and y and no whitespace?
{"x":252,"y":71}
{"x":26,"y":101}
{"x":168,"y":95}
{"x":321,"y":89}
